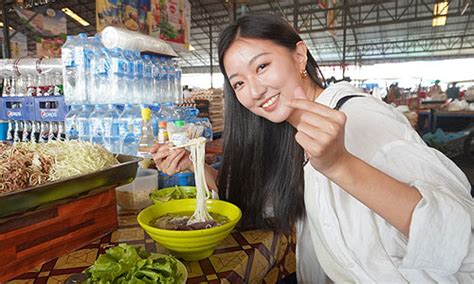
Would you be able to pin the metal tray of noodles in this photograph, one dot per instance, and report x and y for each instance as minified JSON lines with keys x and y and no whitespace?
{"x":32,"y":197}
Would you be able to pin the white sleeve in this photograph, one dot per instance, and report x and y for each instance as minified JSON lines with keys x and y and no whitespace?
{"x":441,"y":227}
{"x":441,"y":230}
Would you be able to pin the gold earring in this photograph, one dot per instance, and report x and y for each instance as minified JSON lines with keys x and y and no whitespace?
{"x":304,"y":74}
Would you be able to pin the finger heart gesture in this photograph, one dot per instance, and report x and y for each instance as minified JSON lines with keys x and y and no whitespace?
{"x":320,"y":131}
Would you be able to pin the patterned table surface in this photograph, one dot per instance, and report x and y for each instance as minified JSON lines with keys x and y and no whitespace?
{"x":256,"y":256}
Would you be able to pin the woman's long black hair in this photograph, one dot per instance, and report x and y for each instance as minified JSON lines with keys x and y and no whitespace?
{"x":262,"y":167}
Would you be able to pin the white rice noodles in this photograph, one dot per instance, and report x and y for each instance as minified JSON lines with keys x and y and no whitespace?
{"x":198,"y":152}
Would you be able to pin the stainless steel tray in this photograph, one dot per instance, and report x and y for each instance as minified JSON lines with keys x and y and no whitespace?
{"x":29,"y":198}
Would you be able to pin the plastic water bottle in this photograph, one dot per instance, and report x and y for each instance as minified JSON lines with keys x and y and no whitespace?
{"x":111,"y":124}
{"x":130,"y":78}
{"x":148,"y":90}
{"x":100,"y":67}
{"x":169,"y":114}
{"x":177,"y":83}
{"x":155,"y":120}
{"x":117,"y":76}
{"x":157,"y":95}
{"x":91,"y":46}
{"x":71,"y":123}
{"x":69,"y":69}
{"x":96,"y":120}
{"x":10,"y":130}
{"x":164,"y":84}
{"x":18,"y":134}
{"x":130,"y":129}
{"x":80,"y":90}
{"x":83,"y":124}
{"x":206,"y":123}
{"x":44,"y":132}
{"x":138,"y":91}
{"x":171,"y":81}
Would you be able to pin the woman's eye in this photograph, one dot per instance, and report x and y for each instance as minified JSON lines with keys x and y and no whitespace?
{"x":237,"y":85}
{"x":261,"y":67}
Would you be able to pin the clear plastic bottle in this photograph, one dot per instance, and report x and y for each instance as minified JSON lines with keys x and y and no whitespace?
{"x":58,"y":84}
{"x":169,"y":114}
{"x":130,"y":77}
{"x":130,"y":129}
{"x":177,"y":82}
{"x":117,"y":79}
{"x":70,"y":122}
{"x":53,"y":131}
{"x":69,"y":69}
{"x":155,"y":119}
{"x":18,"y":134}
{"x":44,"y":132}
{"x":98,"y":126}
{"x":61,"y":131}
{"x":138,"y":91}
{"x":157,"y":95}
{"x":31,"y":85}
{"x":164,"y":82}
{"x":7,"y":85}
{"x":10,"y":130}
{"x":172,"y":95}
{"x":147,"y":140}
{"x":148,"y":84}
{"x":83,"y":124}
{"x":35,"y":132}
{"x":27,"y":128}
{"x":80,"y":91}
{"x":111,"y":125}
{"x":91,"y":47}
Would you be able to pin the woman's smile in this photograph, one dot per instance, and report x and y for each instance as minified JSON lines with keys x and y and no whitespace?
{"x":270,"y":103}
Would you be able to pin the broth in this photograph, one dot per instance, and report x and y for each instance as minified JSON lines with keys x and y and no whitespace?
{"x":178,"y":221}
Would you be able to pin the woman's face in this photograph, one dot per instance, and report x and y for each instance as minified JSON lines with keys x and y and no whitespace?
{"x":264,"y":76}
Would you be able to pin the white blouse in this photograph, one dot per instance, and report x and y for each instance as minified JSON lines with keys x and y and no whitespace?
{"x":353,"y":244}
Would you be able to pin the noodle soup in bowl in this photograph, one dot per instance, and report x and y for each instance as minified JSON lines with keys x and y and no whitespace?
{"x":190,"y":245}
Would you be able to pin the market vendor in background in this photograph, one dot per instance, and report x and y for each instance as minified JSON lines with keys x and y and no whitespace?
{"x":435,"y":89}
{"x":453,"y":91}
{"x":371,"y":202}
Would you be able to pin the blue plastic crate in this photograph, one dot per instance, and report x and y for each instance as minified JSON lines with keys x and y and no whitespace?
{"x":180,"y":179}
{"x":17,"y":108}
{"x":52,"y":108}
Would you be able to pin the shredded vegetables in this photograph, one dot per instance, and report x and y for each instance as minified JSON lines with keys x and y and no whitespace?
{"x":198,"y":153}
{"x":72,"y":158}
{"x":24,"y":165}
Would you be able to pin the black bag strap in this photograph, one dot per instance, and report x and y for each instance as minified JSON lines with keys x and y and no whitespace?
{"x":344,"y":100}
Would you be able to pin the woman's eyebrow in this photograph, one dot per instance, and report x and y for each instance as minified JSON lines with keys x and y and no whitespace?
{"x":251,"y":61}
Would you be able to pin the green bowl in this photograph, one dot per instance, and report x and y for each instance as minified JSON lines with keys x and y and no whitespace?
{"x":189,"y":245}
{"x":173,"y":193}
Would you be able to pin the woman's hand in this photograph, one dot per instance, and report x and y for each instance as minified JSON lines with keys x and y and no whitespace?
{"x":171,"y":161}
{"x":320,"y":131}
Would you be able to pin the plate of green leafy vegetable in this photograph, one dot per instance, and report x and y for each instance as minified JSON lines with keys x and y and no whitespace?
{"x":130,"y":264}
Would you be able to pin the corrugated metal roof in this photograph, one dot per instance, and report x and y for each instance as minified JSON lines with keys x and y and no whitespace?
{"x":377,"y":31}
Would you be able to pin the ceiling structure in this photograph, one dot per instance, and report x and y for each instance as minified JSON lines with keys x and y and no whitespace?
{"x":364,"y":32}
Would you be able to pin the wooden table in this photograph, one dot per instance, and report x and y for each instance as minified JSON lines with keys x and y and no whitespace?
{"x":244,"y":257}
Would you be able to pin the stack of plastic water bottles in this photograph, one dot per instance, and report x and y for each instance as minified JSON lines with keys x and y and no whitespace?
{"x":107,"y":87}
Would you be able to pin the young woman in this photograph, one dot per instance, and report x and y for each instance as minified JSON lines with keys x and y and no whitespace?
{"x":371,"y":202}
